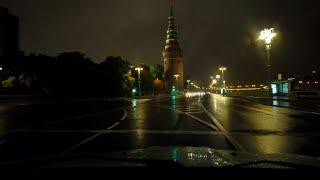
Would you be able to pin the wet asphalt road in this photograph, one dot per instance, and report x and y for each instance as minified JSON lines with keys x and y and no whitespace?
{"x":37,"y":129}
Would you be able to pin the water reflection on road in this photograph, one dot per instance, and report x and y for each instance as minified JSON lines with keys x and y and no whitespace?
{"x":266,"y":129}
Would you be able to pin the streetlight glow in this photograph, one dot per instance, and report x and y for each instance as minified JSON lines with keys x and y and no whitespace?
{"x":223,"y":69}
{"x":218,"y":76}
{"x":267,"y":35}
{"x":139,"y":69}
{"x":214,"y":81}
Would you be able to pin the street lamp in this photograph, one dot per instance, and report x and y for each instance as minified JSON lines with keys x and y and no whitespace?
{"x":214,"y":81}
{"x":188,"y":81}
{"x":177,"y":79}
{"x":222,"y":69}
{"x":139,"y":69}
{"x":267,"y":35}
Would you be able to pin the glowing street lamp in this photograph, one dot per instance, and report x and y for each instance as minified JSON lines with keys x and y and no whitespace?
{"x":139,"y":69}
{"x":218,"y":76}
{"x":222,"y":69}
{"x":215,"y":82}
{"x":267,"y":35}
{"x":188,"y":81}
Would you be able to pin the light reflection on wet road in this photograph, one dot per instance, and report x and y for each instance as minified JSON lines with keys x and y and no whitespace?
{"x":266,"y":129}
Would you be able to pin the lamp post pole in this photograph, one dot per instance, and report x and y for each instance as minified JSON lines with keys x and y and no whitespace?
{"x":222,"y":69}
{"x":177,"y":80}
{"x":139,"y":69}
{"x":267,"y":35}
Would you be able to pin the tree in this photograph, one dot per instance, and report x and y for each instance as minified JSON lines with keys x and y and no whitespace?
{"x":157,"y":71}
{"x":10,"y":83}
{"x":72,"y":75}
{"x":116,"y":76}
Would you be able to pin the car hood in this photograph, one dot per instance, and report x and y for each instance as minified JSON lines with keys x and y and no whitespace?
{"x":179,"y":156}
{"x":208,"y":157}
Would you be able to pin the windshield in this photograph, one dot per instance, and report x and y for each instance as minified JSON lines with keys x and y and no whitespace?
{"x":111,"y":76}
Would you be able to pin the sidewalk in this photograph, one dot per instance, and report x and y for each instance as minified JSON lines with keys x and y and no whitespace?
{"x":312,"y":106}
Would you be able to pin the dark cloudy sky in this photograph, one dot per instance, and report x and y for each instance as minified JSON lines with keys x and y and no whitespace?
{"x":212,"y":32}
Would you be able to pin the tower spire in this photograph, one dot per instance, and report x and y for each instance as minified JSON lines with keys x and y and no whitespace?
{"x":171,"y":7}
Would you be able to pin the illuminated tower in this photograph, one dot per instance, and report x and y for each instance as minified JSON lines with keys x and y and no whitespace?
{"x":173,"y":56}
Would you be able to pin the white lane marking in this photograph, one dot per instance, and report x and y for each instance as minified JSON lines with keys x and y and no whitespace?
{"x":222,"y":129}
{"x":125,"y":114}
{"x":202,"y":122}
{"x":114,"y":125}
{"x":96,"y":135}
{"x":192,"y":117}
{"x":90,"y":138}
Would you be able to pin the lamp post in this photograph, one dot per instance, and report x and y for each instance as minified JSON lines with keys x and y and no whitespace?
{"x":139,"y":69}
{"x":222,"y":69}
{"x":214,"y":82}
{"x":177,"y":79}
{"x":188,"y":81}
{"x":267,"y":35}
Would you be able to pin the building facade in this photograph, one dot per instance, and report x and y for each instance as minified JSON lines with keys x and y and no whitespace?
{"x":173,"y":57}
{"x":9,"y":33}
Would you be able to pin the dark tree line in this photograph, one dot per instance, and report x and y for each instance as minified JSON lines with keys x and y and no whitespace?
{"x":72,"y":74}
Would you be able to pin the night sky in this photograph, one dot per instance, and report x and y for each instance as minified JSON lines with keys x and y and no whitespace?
{"x":211,"y":32}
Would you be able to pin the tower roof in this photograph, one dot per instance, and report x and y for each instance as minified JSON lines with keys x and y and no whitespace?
{"x":171,"y":7}
{"x":172,"y":42}
{"x":172,"y":33}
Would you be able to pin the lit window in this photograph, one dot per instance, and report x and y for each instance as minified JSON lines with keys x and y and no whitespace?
{"x":285,"y":88}
{"x":274,"y":89}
